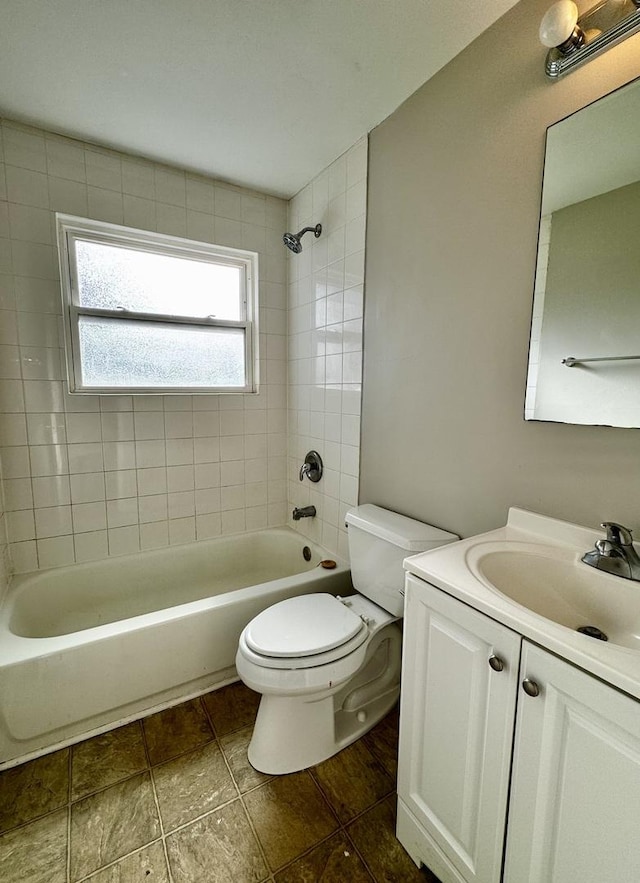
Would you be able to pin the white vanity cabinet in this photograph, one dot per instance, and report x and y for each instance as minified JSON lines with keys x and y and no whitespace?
{"x":574,"y":814}
{"x":459,"y":683}
{"x":574,"y":791}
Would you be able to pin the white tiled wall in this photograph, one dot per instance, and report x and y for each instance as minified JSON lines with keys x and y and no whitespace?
{"x":91,"y":476}
{"x":4,"y":546}
{"x":325,"y":343}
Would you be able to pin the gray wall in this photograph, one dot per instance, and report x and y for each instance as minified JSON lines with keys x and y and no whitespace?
{"x":453,"y":207}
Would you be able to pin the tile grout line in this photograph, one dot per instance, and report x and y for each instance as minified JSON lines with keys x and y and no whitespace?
{"x":69,"y":795}
{"x":359,"y":852}
{"x":199,"y":818}
{"x":315,"y":781}
{"x":156,"y":801}
{"x":341,"y":829}
{"x":116,"y":861}
{"x":237,"y":787}
{"x":343,"y":826}
{"x":39,"y":818}
{"x":150,"y":768}
{"x":360,"y":856}
{"x":267,"y":864}
{"x":307,"y":851}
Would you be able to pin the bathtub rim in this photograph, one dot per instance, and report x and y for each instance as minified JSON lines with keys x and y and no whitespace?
{"x":18,"y":648}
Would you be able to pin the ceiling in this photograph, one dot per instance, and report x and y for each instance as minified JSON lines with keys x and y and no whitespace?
{"x":264,"y":93}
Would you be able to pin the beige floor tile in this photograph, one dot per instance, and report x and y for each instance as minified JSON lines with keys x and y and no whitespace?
{"x":353,"y":780}
{"x":176,"y":730}
{"x":232,"y":707}
{"x":33,"y":789}
{"x":382,"y":741}
{"x":334,"y":861}
{"x":192,"y":785}
{"x":148,"y":865}
{"x":374,"y":836}
{"x":290,"y":816}
{"x":106,"y":759}
{"x":36,"y":853}
{"x":112,"y":823}
{"x":220,"y":848}
{"x":235,"y":750}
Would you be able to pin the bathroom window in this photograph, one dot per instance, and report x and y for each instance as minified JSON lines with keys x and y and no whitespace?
{"x":149,"y":313}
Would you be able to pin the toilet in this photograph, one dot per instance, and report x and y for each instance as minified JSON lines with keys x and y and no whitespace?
{"x":328,"y":668}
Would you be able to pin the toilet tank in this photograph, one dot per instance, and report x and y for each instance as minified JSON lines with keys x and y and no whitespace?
{"x":379,"y":541}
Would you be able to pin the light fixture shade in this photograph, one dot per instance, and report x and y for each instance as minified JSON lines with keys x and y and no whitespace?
{"x":558,"y":23}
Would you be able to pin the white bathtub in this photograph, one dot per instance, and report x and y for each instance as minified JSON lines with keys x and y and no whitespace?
{"x":87,"y":647}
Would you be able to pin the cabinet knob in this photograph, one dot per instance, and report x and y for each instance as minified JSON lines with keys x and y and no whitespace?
{"x":530,"y":687}
{"x":496,"y":663}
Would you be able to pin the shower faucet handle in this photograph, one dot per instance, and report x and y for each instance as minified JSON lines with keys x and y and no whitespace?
{"x":312,"y":467}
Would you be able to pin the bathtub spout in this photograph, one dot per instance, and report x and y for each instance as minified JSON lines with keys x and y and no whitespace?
{"x":305,"y":512}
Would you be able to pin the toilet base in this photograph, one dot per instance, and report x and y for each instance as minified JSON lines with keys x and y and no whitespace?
{"x":292,"y":733}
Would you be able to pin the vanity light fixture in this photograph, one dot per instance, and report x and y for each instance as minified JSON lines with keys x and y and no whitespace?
{"x":573,"y":39}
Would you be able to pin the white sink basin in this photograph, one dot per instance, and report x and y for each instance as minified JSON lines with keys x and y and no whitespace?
{"x":528,"y":576}
{"x":554,"y":583}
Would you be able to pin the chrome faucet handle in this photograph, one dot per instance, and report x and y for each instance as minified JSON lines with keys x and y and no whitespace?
{"x":605,"y":548}
{"x":312,"y":467}
{"x":617,"y":533}
{"x":304,"y":470}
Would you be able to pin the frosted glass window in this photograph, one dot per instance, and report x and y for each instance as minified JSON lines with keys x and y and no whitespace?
{"x":151,"y":354}
{"x":149,"y":313}
{"x":113,"y":277}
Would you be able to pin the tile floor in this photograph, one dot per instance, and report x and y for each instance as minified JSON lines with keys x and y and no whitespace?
{"x":173,"y":799}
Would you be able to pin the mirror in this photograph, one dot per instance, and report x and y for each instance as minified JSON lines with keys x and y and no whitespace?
{"x":584,"y":352}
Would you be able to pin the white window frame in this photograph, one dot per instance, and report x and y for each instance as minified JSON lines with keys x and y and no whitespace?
{"x":70,"y":229}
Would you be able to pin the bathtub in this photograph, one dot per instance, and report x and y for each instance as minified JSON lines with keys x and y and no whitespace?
{"x":87,"y":647}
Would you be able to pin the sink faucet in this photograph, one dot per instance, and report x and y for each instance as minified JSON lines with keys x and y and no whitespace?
{"x":305,"y":512}
{"x":616,"y":554}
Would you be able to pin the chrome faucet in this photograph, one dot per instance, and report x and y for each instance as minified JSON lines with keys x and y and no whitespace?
{"x":615,"y":554}
{"x":305,"y":512}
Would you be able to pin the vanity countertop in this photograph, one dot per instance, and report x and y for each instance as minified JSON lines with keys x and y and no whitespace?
{"x":451,"y":569}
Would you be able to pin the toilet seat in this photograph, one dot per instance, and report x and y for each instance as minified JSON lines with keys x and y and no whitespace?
{"x":303,"y":626}
{"x":303,"y":632}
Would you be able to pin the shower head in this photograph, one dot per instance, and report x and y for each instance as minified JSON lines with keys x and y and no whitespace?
{"x":292,"y":240}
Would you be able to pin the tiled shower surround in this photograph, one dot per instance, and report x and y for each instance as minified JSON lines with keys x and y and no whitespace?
{"x":86,"y":477}
{"x":325,"y":343}
{"x":90,"y":476}
{"x":5,"y":564}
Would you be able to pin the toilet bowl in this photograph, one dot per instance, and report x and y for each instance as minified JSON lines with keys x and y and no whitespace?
{"x":328,"y":668}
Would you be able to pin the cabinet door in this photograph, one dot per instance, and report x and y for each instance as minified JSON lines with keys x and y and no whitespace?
{"x":574,"y":814}
{"x":456,"y":732}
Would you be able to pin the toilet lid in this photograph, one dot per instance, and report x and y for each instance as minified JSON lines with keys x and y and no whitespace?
{"x":302,"y":626}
